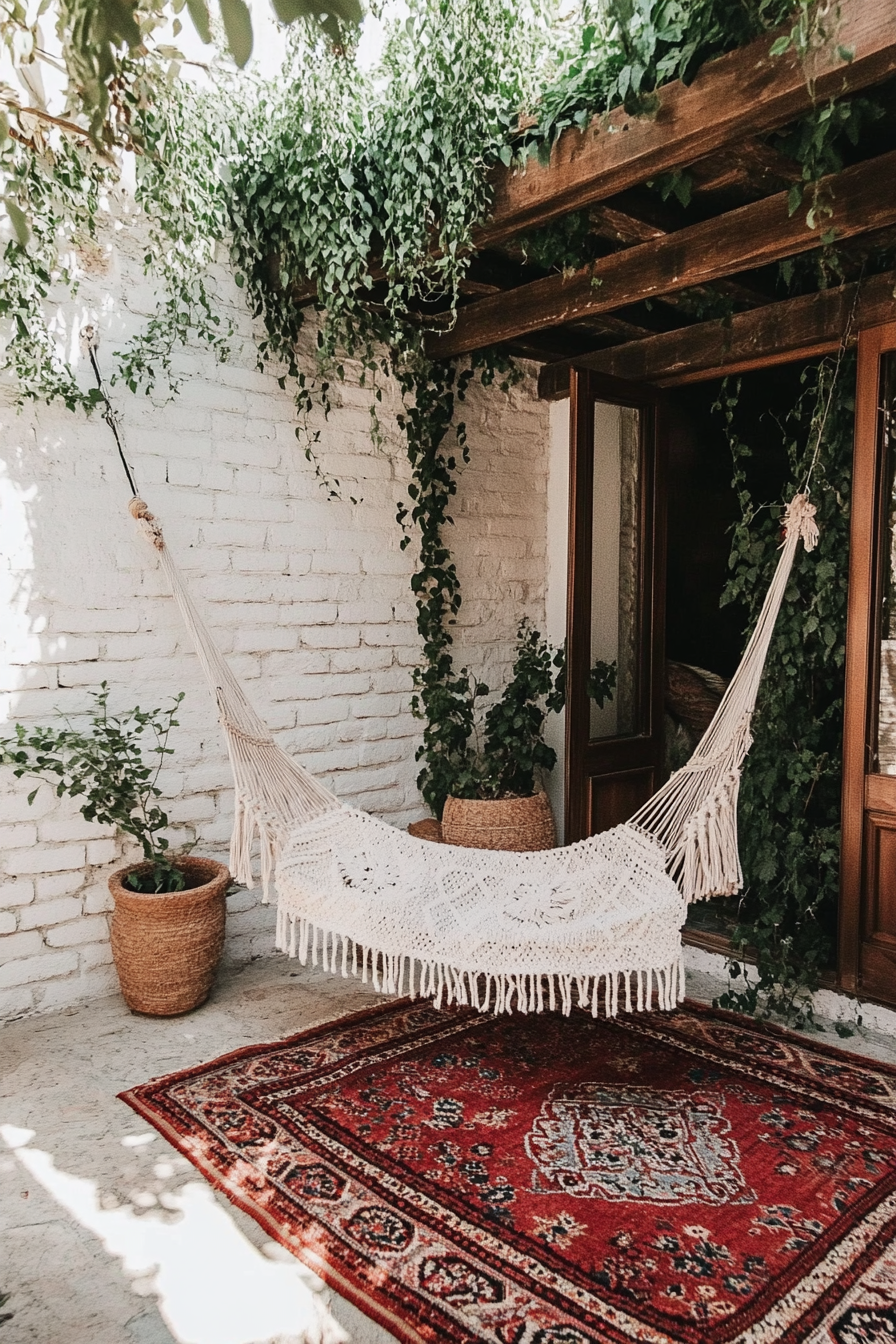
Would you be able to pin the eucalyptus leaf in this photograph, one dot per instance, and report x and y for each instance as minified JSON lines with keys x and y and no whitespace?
{"x":105,"y":763}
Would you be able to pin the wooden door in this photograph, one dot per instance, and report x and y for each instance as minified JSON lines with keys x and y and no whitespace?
{"x":614,"y":753}
{"x":867,"y":953}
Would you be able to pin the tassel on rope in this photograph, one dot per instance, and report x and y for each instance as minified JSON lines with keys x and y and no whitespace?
{"x":799,"y":516}
{"x":138,"y":509}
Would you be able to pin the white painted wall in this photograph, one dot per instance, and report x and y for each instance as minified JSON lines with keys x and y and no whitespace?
{"x":310,"y":598}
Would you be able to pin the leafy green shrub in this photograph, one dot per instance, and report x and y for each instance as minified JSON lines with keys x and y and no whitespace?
{"x":105,"y":766}
{"x":512,"y":751}
{"x":602,"y":682}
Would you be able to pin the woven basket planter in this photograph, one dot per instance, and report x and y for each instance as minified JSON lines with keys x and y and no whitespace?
{"x":427,"y":829}
{"x":503,"y":823}
{"x":167,"y":945}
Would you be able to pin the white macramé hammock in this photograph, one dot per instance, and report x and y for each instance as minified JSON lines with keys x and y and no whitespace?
{"x":491,"y":928}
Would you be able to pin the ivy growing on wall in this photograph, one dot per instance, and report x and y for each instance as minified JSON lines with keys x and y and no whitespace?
{"x":314,"y":175}
{"x":436,"y":447}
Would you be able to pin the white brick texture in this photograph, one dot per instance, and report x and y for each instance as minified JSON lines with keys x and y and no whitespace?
{"x":310,"y":598}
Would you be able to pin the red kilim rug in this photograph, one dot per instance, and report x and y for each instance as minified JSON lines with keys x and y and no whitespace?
{"x":687,"y":1177}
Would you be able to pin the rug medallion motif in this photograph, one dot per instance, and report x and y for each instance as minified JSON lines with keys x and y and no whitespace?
{"x":635,"y":1143}
{"x":680,"y":1178}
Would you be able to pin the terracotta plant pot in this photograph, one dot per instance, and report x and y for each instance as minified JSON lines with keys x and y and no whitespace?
{"x":505,"y":823}
{"x":167,"y":945}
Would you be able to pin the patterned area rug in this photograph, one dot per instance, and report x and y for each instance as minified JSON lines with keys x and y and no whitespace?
{"x":685,"y":1177}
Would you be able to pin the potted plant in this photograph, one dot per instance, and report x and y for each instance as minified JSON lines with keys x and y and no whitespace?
{"x":168,"y":920}
{"x":495,"y":798}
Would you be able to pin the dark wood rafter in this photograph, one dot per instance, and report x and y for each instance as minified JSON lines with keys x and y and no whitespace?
{"x":743,"y":172}
{"x":621,"y":227}
{"x":745,"y":93}
{"x":763,"y":232}
{"x":750,"y":169}
{"x":779,"y":332}
{"x":613,"y":325}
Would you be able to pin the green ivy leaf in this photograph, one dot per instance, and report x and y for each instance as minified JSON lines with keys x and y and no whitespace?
{"x":238,"y":29}
{"x":18,"y":220}
{"x":198,"y":11}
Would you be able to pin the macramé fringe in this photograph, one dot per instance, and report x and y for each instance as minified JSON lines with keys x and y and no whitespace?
{"x":403,"y":973}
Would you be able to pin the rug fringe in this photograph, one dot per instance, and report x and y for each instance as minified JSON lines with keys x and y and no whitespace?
{"x":486,"y":991}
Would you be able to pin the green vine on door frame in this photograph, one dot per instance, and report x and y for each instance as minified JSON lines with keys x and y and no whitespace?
{"x":789,"y":815}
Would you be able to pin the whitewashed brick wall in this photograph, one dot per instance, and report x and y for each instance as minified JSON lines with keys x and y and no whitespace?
{"x":309,"y":597}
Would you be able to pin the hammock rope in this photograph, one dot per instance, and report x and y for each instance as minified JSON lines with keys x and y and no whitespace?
{"x":600,"y":919}
{"x":272,"y":791}
{"x":694,"y":814}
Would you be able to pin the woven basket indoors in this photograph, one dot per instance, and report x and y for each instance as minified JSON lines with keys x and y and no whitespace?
{"x":504,"y":823}
{"x":167,"y":945}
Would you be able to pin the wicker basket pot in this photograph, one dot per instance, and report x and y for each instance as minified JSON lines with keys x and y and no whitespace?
{"x":167,"y":945}
{"x":503,"y":823}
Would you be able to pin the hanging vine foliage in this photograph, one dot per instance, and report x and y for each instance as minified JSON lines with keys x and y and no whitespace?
{"x":436,"y":446}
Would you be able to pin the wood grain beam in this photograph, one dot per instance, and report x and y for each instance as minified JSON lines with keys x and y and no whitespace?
{"x":621,"y":227}
{"x":611,"y":325}
{"x":751,"y":169}
{"x":746,"y":92}
{"x":811,"y":323}
{"x":754,"y":235}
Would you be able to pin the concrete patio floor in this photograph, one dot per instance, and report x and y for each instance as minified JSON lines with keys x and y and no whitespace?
{"x":108,"y":1235}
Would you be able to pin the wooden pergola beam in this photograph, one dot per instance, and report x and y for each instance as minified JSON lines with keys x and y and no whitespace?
{"x":746,"y":92}
{"x":755,"y":235}
{"x":808,"y":325}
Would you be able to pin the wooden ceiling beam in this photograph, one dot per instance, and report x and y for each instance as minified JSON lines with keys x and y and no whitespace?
{"x":751,"y":168}
{"x":621,"y":227}
{"x":754,"y":235}
{"x":777,"y":333}
{"x":746,"y":92}
{"x":611,"y":325}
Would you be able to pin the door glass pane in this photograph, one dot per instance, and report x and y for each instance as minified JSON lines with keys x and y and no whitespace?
{"x":615,"y":571}
{"x":885,"y":760}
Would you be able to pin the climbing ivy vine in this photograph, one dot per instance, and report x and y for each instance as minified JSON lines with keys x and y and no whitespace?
{"x":790,"y":793}
{"x":436,"y":447}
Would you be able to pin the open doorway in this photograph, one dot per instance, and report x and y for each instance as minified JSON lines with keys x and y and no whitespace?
{"x":704,"y":635}
{"x":668,"y":542}
{"x":704,"y":639}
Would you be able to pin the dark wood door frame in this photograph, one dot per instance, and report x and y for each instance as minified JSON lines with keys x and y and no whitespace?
{"x":623,"y":756}
{"x":863,"y":792}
